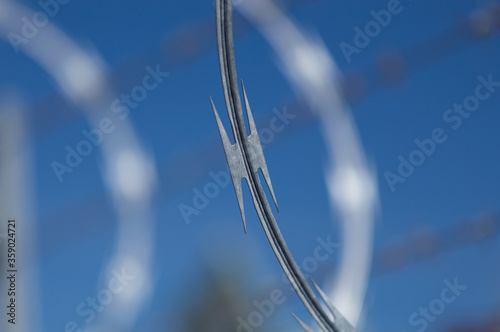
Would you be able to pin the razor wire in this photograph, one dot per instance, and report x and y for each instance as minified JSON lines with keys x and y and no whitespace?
{"x":128,"y":170}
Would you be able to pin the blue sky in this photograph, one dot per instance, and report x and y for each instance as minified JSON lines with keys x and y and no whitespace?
{"x":458,"y":182}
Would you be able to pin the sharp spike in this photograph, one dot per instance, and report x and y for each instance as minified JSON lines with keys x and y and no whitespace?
{"x":257,"y":155}
{"x":304,"y":326}
{"x":223,"y":134}
{"x":236,"y":163}
{"x":265,"y":173}
{"x":251,"y":122}
{"x":239,"y":197}
{"x":340,"y":320}
{"x":238,"y":173}
{"x":325,"y":298}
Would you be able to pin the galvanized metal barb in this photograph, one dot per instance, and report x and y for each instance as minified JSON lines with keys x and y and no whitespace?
{"x":245,"y":157}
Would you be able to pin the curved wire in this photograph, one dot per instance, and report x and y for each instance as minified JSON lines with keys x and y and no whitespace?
{"x":81,"y":77}
{"x":245,"y":158}
{"x":352,"y":186}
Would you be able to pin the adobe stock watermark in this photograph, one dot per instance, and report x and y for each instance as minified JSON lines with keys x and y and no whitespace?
{"x":202,"y":197}
{"x":89,"y":309}
{"x":266,"y":307}
{"x":121,"y":107}
{"x":425,"y":315}
{"x":454,"y":117}
{"x":31,"y":25}
{"x":373,"y":28}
